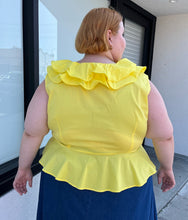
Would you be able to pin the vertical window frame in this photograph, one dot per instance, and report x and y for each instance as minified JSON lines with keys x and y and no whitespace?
{"x":30,"y":49}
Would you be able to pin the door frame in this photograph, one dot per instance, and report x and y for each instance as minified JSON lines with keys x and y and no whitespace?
{"x":135,"y":13}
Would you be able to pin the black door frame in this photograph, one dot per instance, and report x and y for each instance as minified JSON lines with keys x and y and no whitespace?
{"x":135,"y":13}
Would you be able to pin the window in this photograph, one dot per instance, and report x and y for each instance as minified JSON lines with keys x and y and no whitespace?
{"x":47,"y":39}
{"x":11,"y":80}
{"x":11,"y":87}
{"x":47,"y":45}
{"x":17,"y":81}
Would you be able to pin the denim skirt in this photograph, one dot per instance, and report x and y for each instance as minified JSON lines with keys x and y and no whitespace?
{"x":59,"y":200}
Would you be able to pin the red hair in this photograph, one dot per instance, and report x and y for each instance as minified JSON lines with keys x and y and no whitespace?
{"x":92,"y":35}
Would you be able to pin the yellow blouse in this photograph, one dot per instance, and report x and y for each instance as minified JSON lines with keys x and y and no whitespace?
{"x":98,"y":116}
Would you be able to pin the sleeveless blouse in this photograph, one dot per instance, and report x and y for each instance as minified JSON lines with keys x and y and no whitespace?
{"x":98,"y":117}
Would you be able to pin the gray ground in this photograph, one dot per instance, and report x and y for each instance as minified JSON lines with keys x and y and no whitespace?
{"x":173,"y":204}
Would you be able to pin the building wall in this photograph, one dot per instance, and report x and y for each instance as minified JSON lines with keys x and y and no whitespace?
{"x":69,"y":15}
{"x":170,"y":73}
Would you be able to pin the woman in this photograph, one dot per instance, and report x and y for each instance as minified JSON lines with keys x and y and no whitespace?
{"x":99,"y":110}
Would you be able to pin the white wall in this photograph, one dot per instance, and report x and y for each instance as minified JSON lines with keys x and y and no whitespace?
{"x":69,"y":15}
{"x":170,"y":73}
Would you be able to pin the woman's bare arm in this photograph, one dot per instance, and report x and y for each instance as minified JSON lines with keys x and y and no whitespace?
{"x":34,"y":130}
{"x":160,"y":130}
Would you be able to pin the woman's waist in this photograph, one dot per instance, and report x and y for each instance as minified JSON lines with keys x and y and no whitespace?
{"x":102,"y":147}
{"x":99,"y":172}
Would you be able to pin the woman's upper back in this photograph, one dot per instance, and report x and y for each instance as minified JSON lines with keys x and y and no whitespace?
{"x":98,"y":108}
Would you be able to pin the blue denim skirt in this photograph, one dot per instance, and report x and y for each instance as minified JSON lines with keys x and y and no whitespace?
{"x":59,"y":200}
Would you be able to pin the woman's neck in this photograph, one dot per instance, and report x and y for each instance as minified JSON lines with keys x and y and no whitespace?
{"x":104,"y":57}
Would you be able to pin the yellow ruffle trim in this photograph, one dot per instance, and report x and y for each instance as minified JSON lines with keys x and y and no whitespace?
{"x":88,"y":75}
{"x":97,"y":172}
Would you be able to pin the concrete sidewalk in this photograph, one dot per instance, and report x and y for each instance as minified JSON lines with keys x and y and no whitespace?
{"x":173,"y":204}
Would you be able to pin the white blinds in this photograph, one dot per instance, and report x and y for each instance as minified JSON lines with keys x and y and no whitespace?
{"x":134,"y":36}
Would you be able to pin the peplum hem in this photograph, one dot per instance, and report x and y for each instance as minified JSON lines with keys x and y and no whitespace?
{"x":89,"y":75}
{"x":98,"y":173}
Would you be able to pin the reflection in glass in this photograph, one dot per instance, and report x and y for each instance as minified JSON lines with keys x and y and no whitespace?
{"x":47,"y":39}
{"x":47,"y":45}
{"x":11,"y":79}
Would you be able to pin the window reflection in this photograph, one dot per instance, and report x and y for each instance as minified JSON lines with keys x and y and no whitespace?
{"x":11,"y":79}
{"x":47,"y":39}
{"x":47,"y":44}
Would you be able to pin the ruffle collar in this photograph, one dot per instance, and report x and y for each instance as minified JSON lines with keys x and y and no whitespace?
{"x":89,"y":75}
